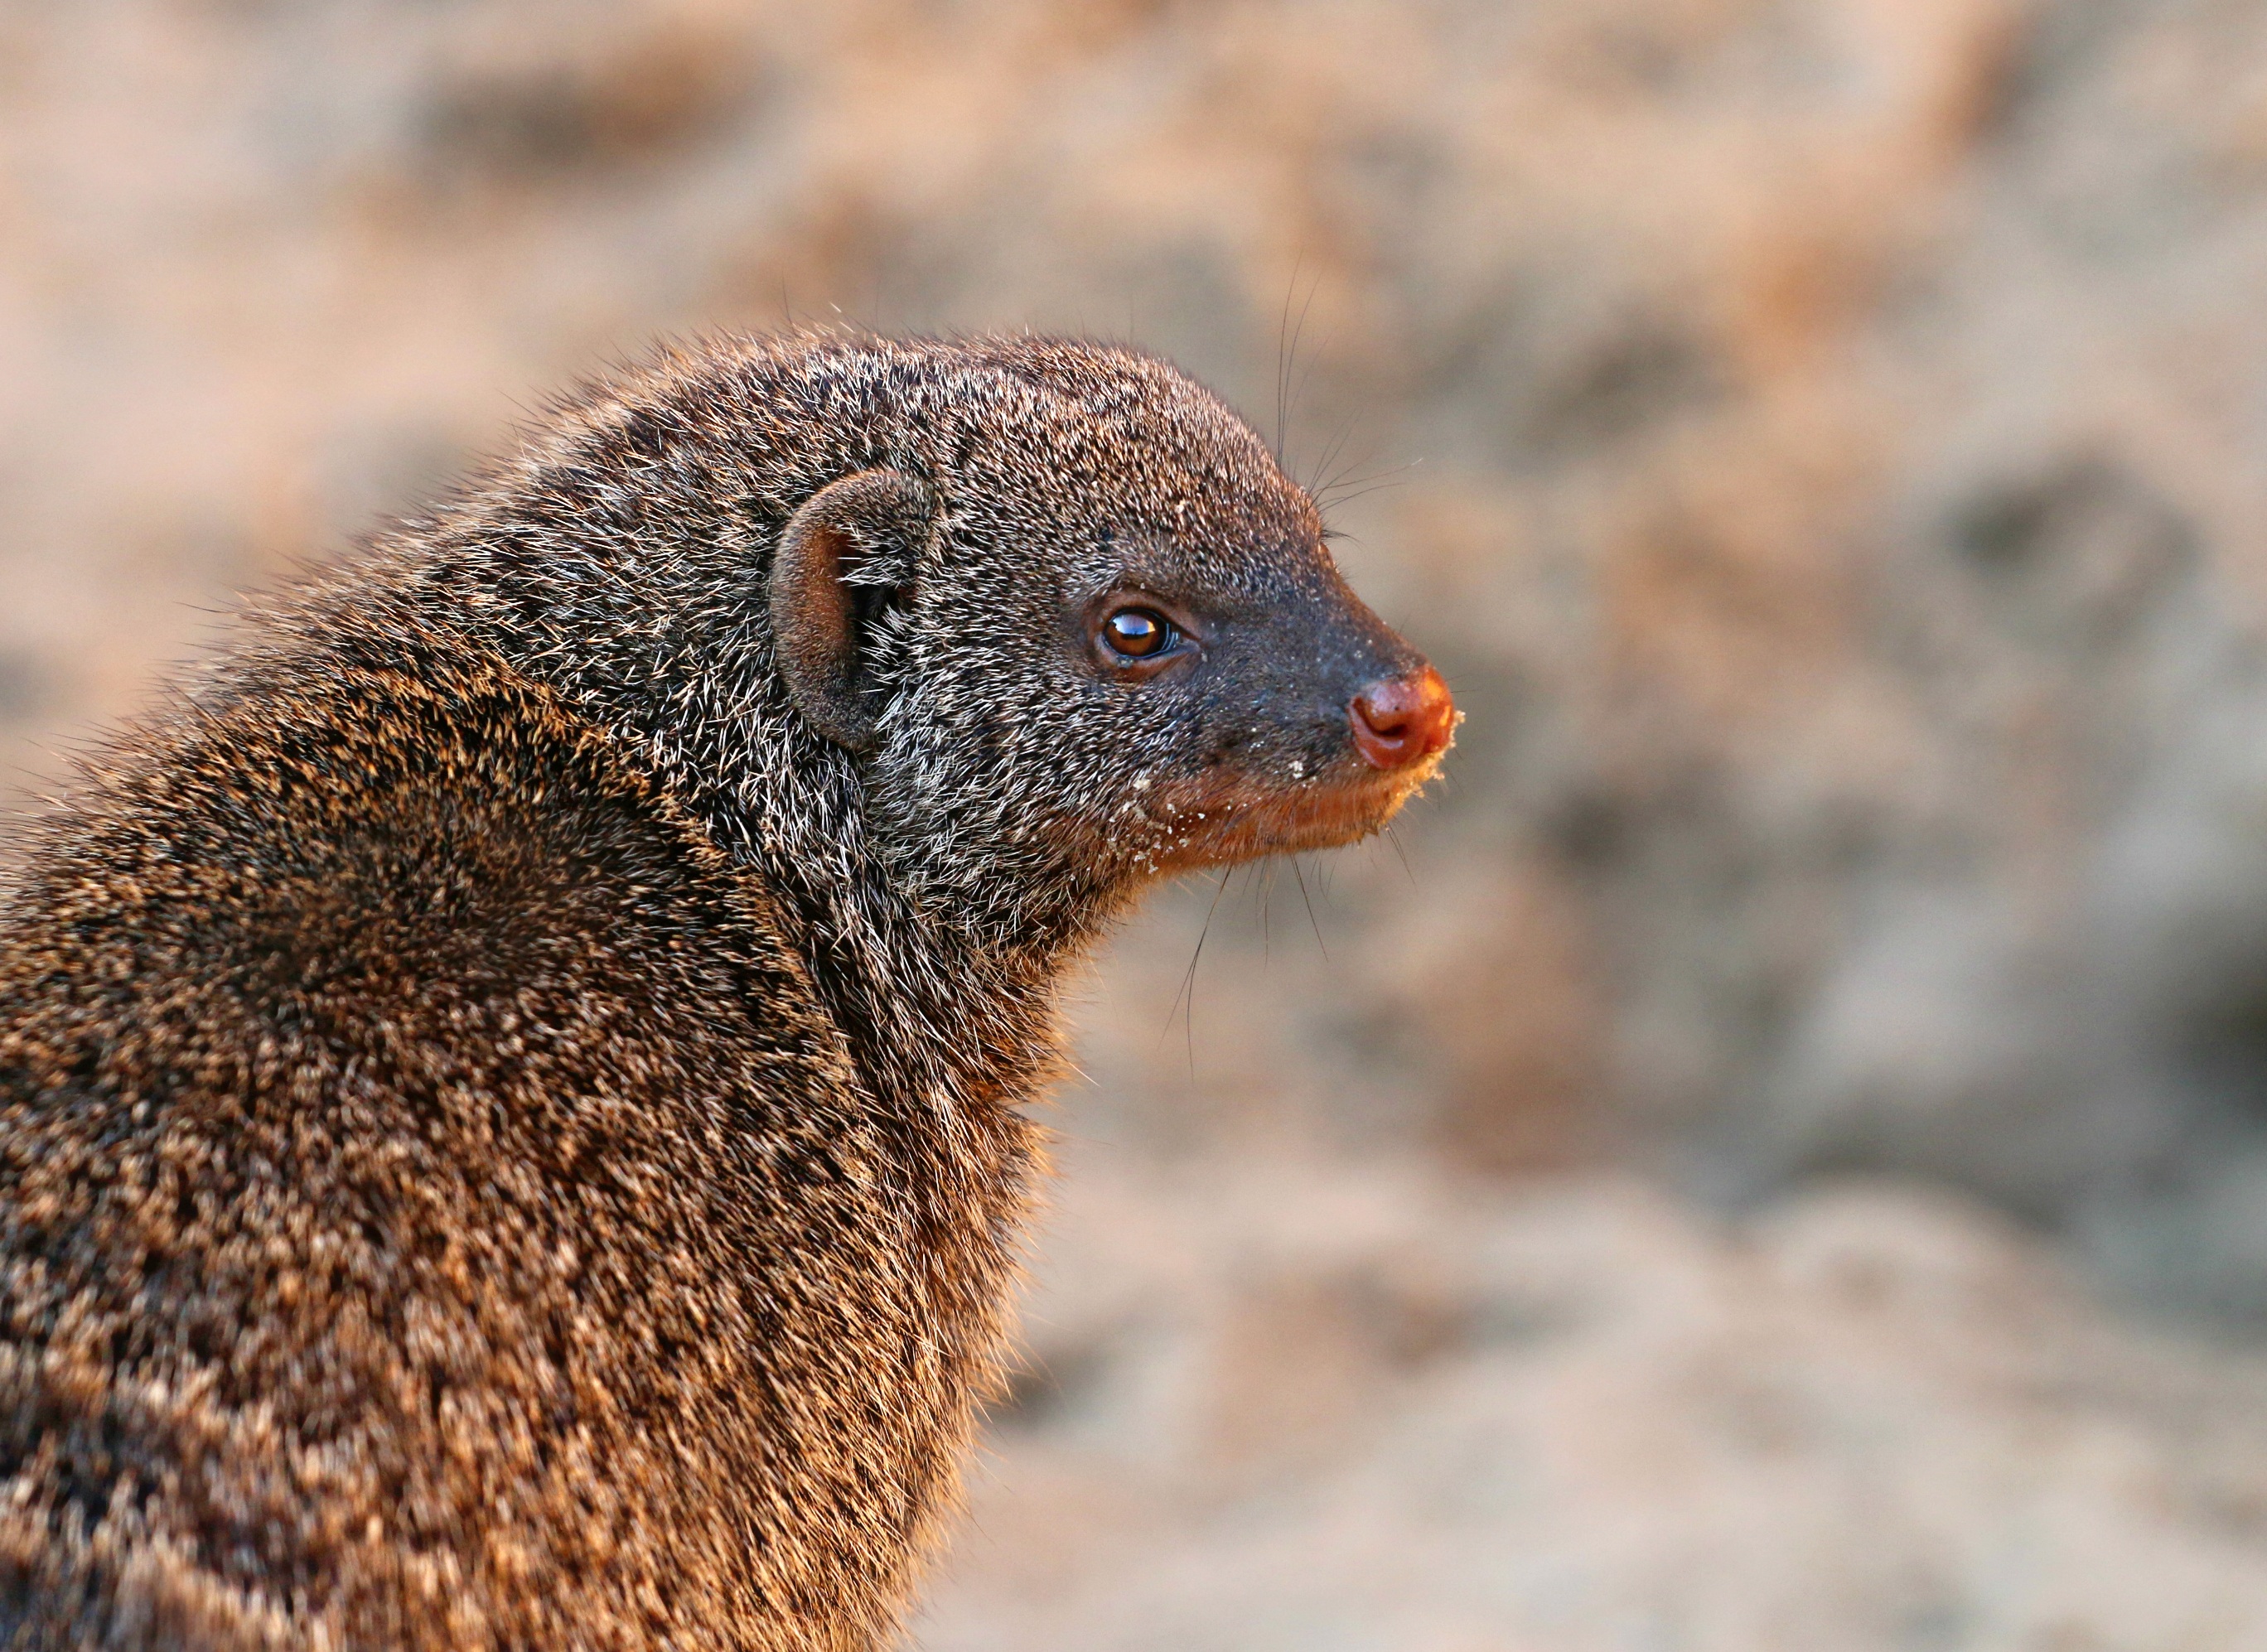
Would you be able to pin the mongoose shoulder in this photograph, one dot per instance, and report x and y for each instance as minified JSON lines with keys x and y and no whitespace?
{"x":509,"y":1082}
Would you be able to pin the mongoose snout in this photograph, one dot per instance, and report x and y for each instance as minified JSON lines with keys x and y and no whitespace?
{"x":1278,"y":712}
{"x":1406,"y":720}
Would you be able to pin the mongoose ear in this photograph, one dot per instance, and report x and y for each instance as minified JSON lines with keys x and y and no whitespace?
{"x":847,"y":555}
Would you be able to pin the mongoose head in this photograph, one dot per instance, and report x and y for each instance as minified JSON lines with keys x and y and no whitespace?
{"x":983,"y":632}
{"x":1079,"y":624}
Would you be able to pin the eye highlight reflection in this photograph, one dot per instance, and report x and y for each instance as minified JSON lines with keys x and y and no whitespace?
{"x":1139,"y":633}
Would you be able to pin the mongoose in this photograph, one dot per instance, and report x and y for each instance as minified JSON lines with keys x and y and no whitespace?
{"x":509,"y":1080}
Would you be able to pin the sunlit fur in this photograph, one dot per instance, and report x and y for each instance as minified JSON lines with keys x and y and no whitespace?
{"x":509,"y":1135}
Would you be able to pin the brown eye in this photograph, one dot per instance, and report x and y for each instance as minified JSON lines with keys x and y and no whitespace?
{"x":1139,"y":633}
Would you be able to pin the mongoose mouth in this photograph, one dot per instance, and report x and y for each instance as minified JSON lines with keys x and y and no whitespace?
{"x":1399,"y":728}
{"x":1221,"y":819}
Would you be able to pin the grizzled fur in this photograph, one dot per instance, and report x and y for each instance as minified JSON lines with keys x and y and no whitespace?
{"x":508,"y":1132}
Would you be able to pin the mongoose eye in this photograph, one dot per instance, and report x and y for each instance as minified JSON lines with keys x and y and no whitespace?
{"x":1139,"y":633}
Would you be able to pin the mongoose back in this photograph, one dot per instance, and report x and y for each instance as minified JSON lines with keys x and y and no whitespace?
{"x":508,"y":1080}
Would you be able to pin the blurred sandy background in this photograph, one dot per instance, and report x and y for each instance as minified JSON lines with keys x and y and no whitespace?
{"x":1776,"y":1157}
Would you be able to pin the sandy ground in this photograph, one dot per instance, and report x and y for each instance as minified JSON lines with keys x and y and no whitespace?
{"x":1300,"y":1406}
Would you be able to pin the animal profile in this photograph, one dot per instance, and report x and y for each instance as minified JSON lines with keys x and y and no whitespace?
{"x":509,"y":1081}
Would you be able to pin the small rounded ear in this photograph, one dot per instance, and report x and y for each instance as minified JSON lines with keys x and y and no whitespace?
{"x":844,"y":557}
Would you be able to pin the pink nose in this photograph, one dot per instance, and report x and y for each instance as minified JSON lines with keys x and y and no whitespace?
{"x":1402,"y":720}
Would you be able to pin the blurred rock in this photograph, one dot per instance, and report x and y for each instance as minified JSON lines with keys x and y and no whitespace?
{"x":1300,"y":1407}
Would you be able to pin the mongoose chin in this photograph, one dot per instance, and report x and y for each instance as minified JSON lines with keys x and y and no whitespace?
{"x":510,"y":1082}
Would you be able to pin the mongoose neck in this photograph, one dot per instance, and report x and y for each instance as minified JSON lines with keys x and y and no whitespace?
{"x":949,"y":1001}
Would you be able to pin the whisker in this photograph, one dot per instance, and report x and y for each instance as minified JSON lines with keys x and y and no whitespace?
{"x":1266,"y":881}
{"x":1330,"y":456}
{"x":1306,"y":901}
{"x":1189,"y":1015}
{"x":1394,"y":838}
{"x":1364,"y":493}
{"x":1189,"y":979}
{"x":1287,"y":350}
{"x":1352,"y":476}
{"x":1289,"y":385}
